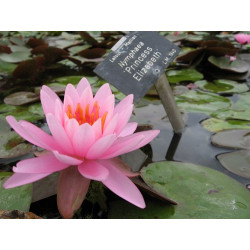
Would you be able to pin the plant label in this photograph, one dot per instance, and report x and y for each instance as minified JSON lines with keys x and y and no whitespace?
{"x":137,"y":61}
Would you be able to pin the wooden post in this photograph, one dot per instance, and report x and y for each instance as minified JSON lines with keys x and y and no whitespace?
{"x":166,"y":95}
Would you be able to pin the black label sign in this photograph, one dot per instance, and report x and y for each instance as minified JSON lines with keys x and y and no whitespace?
{"x":137,"y":61}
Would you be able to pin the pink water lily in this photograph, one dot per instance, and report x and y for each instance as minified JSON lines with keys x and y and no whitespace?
{"x":87,"y":134}
{"x":242,"y":38}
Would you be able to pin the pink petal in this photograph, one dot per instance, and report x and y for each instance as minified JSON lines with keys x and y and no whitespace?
{"x":86,"y":98}
{"x":148,"y":137}
{"x":97,"y":128}
{"x":123,"y":119}
{"x":48,"y":99}
{"x":59,"y":134}
{"x":83,"y":139}
{"x":39,"y":135}
{"x":120,"y":165}
{"x":67,"y":159}
{"x":107,"y":105}
{"x":71,"y":127}
{"x":103,"y":92}
{"x":93,"y":170}
{"x":73,"y":94}
{"x":67,"y":102}
{"x":110,"y":128}
{"x":123,"y":187}
{"x":25,"y":134}
{"x":18,"y":179}
{"x":82,"y":85}
{"x":71,"y":191}
{"x":40,"y":165}
{"x":128,"y":129}
{"x":124,"y":104}
{"x":59,"y":111}
{"x":123,"y":145}
{"x":100,"y":146}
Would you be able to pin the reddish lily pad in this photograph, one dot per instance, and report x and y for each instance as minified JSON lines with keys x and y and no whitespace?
{"x":21,"y":98}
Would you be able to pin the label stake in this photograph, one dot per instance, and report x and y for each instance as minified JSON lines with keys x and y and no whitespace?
{"x":167,"y":98}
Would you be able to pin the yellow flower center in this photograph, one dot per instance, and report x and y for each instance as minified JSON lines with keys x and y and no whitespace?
{"x":84,"y":116}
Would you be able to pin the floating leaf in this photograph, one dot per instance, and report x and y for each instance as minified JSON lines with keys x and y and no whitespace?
{"x":75,"y":49}
{"x":15,"y":57}
{"x":224,"y":63}
{"x":75,"y":79}
{"x":196,"y":101}
{"x":16,"y":214}
{"x":182,"y":75}
{"x":189,"y":54}
{"x":18,"y":48}
{"x":36,"y":109}
{"x":12,"y":145}
{"x":237,"y":162}
{"x":216,"y":125}
{"x":222,"y":86}
{"x":200,"y":192}
{"x":21,"y":98}
{"x":6,"y":67}
{"x":18,"y":198}
{"x":92,"y":53}
{"x":237,"y":139}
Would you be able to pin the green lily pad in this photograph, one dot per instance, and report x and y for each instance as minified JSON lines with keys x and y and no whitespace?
{"x":4,"y":108}
{"x":222,"y":86}
{"x":18,"y":198}
{"x":18,"y":48}
{"x":223,"y":63}
{"x":240,"y":110}
{"x":182,"y":75}
{"x":12,"y":145}
{"x":6,"y":67}
{"x":36,"y":109}
{"x":74,"y":50}
{"x":237,"y":162}
{"x":15,"y":57}
{"x":196,"y":101}
{"x":200,"y":192}
{"x":237,"y":139}
{"x":21,"y":98}
{"x":75,"y":79}
{"x":216,"y":125}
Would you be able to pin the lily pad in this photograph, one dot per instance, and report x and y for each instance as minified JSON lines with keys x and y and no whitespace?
{"x":237,"y":162}
{"x":237,"y":139}
{"x":240,"y":110}
{"x":200,"y":192}
{"x":196,"y":101}
{"x":75,"y":79}
{"x":36,"y":109}
{"x":18,"y":198}
{"x":189,"y":54}
{"x":12,"y":145}
{"x":182,"y":75}
{"x":74,"y":50}
{"x":223,"y":63}
{"x":15,"y":57}
{"x":21,"y":98}
{"x":6,"y":67}
{"x":216,"y":125}
{"x":222,"y":86}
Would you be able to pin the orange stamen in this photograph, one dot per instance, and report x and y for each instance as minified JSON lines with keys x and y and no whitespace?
{"x":103,"y":119}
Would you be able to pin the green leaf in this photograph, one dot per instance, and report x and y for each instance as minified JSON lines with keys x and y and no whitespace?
{"x":222,"y":86}
{"x":12,"y":145}
{"x":15,"y":198}
{"x":6,"y":67}
{"x":216,"y":125}
{"x":75,"y":79}
{"x":15,"y":57}
{"x":196,"y":101}
{"x":182,"y":75}
{"x":200,"y":192}
{"x":237,"y":162}
{"x":224,"y":63}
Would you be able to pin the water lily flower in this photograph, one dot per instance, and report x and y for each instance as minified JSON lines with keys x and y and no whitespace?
{"x":231,"y":58}
{"x":87,"y":135}
{"x":242,"y":38}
